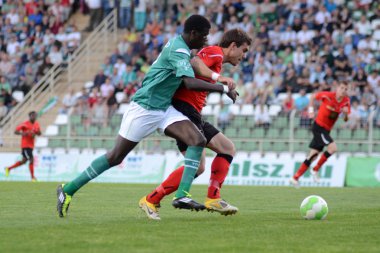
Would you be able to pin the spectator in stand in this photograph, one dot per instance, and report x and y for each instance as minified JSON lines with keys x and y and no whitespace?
{"x":299,"y":60}
{"x":303,"y":80}
{"x":376,"y":117}
{"x":100,"y":78}
{"x":27,"y":80}
{"x":106,"y":88}
{"x":69,"y":102}
{"x":140,"y":14}
{"x":364,"y":113}
{"x":288,"y":103}
{"x":262,"y":118}
{"x":125,"y":13}
{"x":360,"y":79}
{"x":3,"y":109}
{"x":55,"y":55}
{"x":290,"y":82}
{"x":301,"y":104}
{"x":224,"y":116}
{"x":96,"y":14}
{"x":373,"y":79}
{"x":363,"y":26}
{"x":354,"y":119}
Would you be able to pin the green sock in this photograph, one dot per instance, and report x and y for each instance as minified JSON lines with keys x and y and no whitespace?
{"x":97,"y":167}
{"x":192,"y":159}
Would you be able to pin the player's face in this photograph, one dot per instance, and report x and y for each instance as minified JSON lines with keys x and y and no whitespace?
{"x":198,"y":39}
{"x":32,"y":117}
{"x":342,"y":90}
{"x":237,"y":53}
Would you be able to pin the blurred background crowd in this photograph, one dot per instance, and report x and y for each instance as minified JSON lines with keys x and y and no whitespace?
{"x":300,"y":47}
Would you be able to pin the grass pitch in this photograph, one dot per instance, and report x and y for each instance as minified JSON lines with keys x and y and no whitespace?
{"x":106,"y":218}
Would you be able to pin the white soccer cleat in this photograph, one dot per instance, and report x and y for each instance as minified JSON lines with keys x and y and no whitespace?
{"x":295,"y":183}
{"x":315,"y":176}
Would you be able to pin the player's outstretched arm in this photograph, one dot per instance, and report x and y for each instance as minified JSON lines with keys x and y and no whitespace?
{"x":345,"y":111}
{"x":311,"y":106}
{"x":200,"y":85}
{"x":201,"y":69}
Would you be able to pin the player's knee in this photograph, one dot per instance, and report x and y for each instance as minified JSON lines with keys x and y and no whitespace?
{"x":114,"y":158}
{"x":198,"y":140}
{"x":231,"y":150}
{"x":201,"y":169}
{"x":332,"y":148}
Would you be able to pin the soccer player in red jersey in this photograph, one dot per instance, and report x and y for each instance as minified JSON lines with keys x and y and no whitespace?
{"x":207,"y":66}
{"x":332,"y":104}
{"x":28,"y":130}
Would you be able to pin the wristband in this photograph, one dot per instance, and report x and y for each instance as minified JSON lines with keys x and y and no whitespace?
{"x":225,"y":89}
{"x":215,"y":76}
{"x":310,"y":109}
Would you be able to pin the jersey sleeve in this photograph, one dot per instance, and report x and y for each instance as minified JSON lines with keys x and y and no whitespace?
{"x":210,"y":56}
{"x":180,"y":60}
{"x":323,"y":95}
{"x":20,"y":127}
{"x":37,"y":128}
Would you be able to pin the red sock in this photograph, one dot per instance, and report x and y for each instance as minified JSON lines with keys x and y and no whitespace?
{"x":15,"y":165}
{"x":321,"y":161}
{"x":301,"y":170}
{"x":167,"y":187}
{"x":31,"y":169}
{"x":219,"y":171}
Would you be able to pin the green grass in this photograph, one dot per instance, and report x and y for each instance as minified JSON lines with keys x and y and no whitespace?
{"x":105,"y":218}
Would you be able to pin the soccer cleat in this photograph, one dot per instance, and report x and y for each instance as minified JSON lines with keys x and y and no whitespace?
{"x":63,"y":201}
{"x":34,"y":179}
{"x":187,"y":203}
{"x":221,"y":206}
{"x":315,"y":176}
{"x":295,"y":183}
{"x":150,"y":209}
{"x":7,"y":171}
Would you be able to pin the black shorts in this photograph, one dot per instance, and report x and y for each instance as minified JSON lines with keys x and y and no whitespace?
{"x":321,"y":137}
{"x":27,"y":153}
{"x":207,"y":129}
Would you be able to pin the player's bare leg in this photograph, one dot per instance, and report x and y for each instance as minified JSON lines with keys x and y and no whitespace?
{"x":304,"y":166}
{"x":331,"y":149}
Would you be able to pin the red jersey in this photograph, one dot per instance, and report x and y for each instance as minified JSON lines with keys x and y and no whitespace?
{"x":27,"y":141}
{"x":212,"y":56}
{"x":330,"y":109}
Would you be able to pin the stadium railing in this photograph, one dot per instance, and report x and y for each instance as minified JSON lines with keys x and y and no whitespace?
{"x":285,"y":134}
{"x":60,"y":78}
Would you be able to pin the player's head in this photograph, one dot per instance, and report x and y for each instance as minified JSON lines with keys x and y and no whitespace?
{"x":195,"y":31}
{"x":32,"y":116}
{"x":342,"y":89}
{"x":236,"y":43}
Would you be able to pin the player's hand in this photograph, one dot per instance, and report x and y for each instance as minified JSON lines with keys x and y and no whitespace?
{"x":311,"y":112}
{"x":27,"y":133}
{"x":345,"y":110}
{"x":227,"y":81}
{"x":233,"y":94}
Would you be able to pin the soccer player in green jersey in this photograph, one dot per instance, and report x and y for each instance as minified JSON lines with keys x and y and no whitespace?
{"x":151,"y":110}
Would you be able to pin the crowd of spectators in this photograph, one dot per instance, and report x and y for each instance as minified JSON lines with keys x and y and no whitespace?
{"x":34,"y":35}
{"x":299,"y":47}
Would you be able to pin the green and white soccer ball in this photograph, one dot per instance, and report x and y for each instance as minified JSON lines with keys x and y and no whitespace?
{"x":314,"y":208}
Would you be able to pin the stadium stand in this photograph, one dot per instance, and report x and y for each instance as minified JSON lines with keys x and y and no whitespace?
{"x":300,"y":47}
